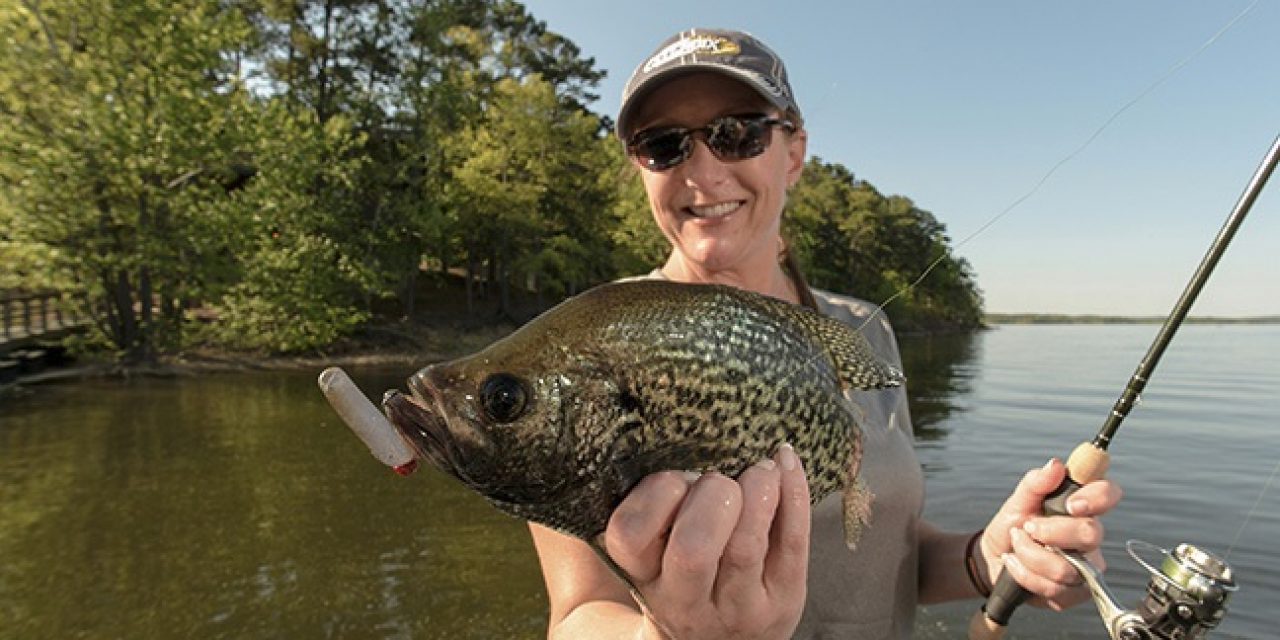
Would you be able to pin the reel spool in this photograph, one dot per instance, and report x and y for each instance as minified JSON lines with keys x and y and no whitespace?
{"x":1186,"y":596}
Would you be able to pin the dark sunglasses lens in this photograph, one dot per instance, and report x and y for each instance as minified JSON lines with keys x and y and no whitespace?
{"x":662,"y":149}
{"x":729,"y":138}
{"x":738,"y":138}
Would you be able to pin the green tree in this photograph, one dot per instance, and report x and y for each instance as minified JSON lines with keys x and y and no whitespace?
{"x":639,"y":245}
{"x":409,"y":75}
{"x":852,"y":239}
{"x":297,"y":285}
{"x":135,"y":118}
{"x":525,"y":191}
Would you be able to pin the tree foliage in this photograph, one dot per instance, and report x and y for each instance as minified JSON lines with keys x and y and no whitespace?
{"x":289,"y":167}
{"x":300,"y":275}
{"x":135,"y":119}
{"x":523,"y":192}
{"x":852,"y":239}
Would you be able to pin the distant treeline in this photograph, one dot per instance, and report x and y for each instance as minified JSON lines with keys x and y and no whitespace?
{"x":287,"y":167}
{"x":1049,"y":318}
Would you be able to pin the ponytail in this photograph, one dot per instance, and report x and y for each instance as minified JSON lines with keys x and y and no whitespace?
{"x":792,"y":267}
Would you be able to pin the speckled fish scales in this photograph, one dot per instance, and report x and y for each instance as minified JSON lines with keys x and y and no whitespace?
{"x":556,"y":422}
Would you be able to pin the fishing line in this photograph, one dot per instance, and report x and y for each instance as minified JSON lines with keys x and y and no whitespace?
{"x":879,"y":309}
{"x":823,"y":100}
{"x":1054,"y":169}
{"x":1253,"y":510}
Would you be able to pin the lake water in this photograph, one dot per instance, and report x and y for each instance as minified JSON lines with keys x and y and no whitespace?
{"x":237,"y":506}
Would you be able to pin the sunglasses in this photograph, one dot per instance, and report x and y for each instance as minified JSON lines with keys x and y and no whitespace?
{"x":729,"y":138}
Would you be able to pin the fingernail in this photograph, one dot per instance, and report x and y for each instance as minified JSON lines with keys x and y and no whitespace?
{"x":1011,"y":562}
{"x":691,"y":477}
{"x":1077,"y":506}
{"x":1014,"y":532}
{"x":767,"y":464}
{"x":1030,"y":527}
{"x":1048,"y":465}
{"x":787,"y":457}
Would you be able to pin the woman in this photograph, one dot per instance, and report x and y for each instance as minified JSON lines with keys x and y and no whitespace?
{"x":712,"y":124}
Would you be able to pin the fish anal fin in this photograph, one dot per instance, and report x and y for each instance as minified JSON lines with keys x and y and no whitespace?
{"x":856,"y":497}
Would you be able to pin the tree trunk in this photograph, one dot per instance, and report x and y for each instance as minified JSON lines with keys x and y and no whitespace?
{"x":470,"y":278}
{"x":122,"y":298}
{"x":504,"y":292}
{"x":410,"y":295}
{"x":146,"y":327}
{"x":322,"y":105}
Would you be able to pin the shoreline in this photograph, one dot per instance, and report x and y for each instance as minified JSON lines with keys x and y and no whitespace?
{"x":378,"y":346}
{"x":184,"y":367}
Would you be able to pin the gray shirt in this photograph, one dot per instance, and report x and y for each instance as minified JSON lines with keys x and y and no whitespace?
{"x":870,"y":592}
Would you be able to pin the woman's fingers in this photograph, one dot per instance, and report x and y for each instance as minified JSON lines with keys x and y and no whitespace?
{"x":1047,"y":574}
{"x":1046,"y":565}
{"x":1095,"y":499}
{"x":1076,"y":534}
{"x":740,"y":584}
{"x":714,"y":556}
{"x":1019,"y":535}
{"x":636,"y":537}
{"x":787,"y":565}
{"x":698,"y":536}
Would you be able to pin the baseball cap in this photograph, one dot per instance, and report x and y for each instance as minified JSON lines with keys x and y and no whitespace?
{"x":736,"y":54}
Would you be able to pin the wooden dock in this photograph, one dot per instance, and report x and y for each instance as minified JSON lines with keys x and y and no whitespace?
{"x":32,"y":326}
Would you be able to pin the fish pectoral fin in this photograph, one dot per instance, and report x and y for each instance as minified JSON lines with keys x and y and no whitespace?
{"x":597,"y":545}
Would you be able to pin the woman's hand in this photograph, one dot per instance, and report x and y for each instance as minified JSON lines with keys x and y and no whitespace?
{"x":714,"y":557}
{"x":1015,"y":539}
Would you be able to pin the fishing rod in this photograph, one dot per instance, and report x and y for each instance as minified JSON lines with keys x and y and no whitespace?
{"x":1187,"y":595}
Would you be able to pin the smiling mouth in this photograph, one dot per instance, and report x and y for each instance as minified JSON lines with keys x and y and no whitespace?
{"x":718,"y":210}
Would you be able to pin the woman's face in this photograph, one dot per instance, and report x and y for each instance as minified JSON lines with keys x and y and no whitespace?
{"x":719,"y":216}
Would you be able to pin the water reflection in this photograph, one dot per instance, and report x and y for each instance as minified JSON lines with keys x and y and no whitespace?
{"x":237,"y":507}
{"x":939,"y":371}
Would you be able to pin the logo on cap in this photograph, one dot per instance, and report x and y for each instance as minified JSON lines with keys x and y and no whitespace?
{"x":706,"y":45}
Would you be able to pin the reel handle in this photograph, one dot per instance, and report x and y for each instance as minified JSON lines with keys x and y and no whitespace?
{"x":1088,"y":462}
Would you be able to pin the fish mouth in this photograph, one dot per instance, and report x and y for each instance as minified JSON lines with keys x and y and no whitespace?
{"x":419,"y":419}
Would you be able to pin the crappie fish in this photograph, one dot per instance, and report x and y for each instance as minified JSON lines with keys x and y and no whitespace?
{"x":556,"y":422}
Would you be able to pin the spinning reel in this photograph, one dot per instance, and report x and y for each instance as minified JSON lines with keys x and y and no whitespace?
{"x":1186,"y":596}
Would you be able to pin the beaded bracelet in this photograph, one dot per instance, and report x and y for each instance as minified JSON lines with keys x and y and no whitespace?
{"x":971,"y":566}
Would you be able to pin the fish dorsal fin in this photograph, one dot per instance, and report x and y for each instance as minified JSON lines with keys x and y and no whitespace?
{"x":857,"y":364}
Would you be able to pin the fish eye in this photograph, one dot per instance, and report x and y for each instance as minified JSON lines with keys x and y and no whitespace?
{"x":503,"y":397}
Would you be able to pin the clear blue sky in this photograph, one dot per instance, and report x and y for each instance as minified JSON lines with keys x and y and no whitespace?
{"x":965,"y":106}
